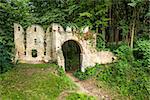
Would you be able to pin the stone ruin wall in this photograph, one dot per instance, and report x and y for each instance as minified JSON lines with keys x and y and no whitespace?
{"x":49,"y":45}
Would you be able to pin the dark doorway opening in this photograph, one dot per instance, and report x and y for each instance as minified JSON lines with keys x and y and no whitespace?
{"x":71,"y":51}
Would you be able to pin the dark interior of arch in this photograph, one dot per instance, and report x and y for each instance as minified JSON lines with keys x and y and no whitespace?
{"x":71,"y":52}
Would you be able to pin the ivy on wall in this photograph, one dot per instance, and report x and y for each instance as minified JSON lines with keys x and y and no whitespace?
{"x":10,"y":12}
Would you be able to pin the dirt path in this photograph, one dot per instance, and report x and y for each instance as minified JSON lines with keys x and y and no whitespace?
{"x":89,"y":87}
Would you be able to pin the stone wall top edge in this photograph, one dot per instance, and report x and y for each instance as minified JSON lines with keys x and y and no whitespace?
{"x":82,"y":29}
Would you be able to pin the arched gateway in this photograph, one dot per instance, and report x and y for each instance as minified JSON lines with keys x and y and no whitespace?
{"x":38,"y":46}
{"x":72,"y":55}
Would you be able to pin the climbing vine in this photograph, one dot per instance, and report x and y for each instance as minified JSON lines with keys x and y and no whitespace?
{"x":12,"y":12}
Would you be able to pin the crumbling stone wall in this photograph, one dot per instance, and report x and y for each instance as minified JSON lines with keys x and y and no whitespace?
{"x":49,"y":45}
{"x":35,"y":41}
{"x":19,"y":42}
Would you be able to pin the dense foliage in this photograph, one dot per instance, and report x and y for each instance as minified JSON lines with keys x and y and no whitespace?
{"x":114,"y":21}
{"x":142,"y":52}
{"x":10,"y":12}
{"x":128,"y":75}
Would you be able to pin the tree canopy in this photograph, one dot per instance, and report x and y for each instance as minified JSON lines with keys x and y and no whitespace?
{"x":121,"y":26}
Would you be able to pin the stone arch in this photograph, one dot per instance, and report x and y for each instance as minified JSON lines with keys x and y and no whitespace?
{"x":80,"y":53}
{"x":74,"y":38}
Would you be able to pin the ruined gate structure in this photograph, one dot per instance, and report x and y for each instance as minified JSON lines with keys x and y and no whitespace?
{"x":38,"y":46}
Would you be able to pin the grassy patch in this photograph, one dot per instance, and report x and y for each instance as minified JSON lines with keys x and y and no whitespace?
{"x":79,"y":96}
{"x":34,"y":82}
{"x":50,"y":65}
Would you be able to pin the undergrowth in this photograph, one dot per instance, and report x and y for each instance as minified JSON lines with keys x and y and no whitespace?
{"x":127,"y":75}
{"x":79,"y":96}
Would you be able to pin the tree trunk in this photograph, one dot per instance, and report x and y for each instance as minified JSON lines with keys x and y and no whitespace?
{"x":116,"y":36}
{"x":132,"y":34}
{"x":133,"y":28}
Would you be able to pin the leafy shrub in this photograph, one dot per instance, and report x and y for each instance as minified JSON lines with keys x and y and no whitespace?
{"x":123,"y":52}
{"x":127,"y":75}
{"x":80,"y":75}
{"x":10,"y":13}
{"x":5,"y":61}
{"x":128,"y":80}
{"x":89,"y":72}
{"x":100,"y":42}
{"x":116,"y":75}
{"x":142,"y":52}
{"x":61,"y":71}
{"x":77,"y":96}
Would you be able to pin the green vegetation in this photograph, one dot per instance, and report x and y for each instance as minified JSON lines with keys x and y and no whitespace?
{"x":11,"y":11}
{"x":129,"y":74}
{"x":79,"y":96}
{"x":121,"y":26}
{"x":89,"y":73}
{"x":112,"y":20}
{"x":34,"y":82}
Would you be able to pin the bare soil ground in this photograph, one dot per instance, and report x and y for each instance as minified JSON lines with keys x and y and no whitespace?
{"x":88,"y":87}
